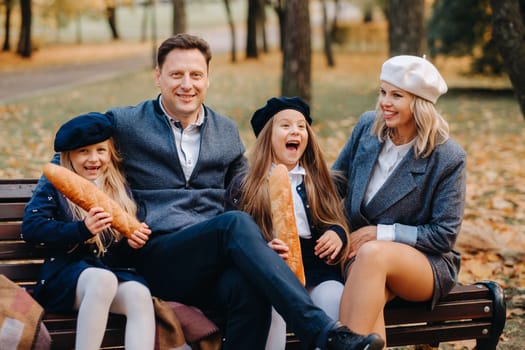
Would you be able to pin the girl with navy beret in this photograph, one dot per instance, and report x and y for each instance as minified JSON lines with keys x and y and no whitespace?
{"x":86,"y":268}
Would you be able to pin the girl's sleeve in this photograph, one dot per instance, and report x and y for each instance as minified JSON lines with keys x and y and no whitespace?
{"x":43,"y":221}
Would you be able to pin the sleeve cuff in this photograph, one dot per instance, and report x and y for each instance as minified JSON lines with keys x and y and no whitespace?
{"x":385,"y":232}
{"x":406,"y":234}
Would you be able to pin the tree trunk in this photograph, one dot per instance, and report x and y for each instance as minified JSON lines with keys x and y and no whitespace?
{"x":7,"y":25}
{"x":509,"y":33}
{"x":179,"y":17}
{"x":296,"y":78}
{"x":405,"y":27}
{"x":231,"y":24}
{"x":111,"y":15}
{"x":278,"y":6}
{"x":147,"y":5}
{"x":251,"y":30}
{"x":24,"y":48}
{"x":261,"y":25}
{"x":78,"y":28}
{"x":327,"y":37}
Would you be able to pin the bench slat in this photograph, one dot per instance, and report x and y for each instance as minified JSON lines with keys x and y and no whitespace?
{"x":10,"y":231}
{"x":17,"y":249}
{"x":438,"y":333}
{"x":471,"y":309}
{"x":21,"y":273}
{"x":11,"y":211}
{"x":19,"y":190}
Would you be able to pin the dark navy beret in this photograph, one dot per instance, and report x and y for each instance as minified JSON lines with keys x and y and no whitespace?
{"x":274,"y":106}
{"x":83,"y":130}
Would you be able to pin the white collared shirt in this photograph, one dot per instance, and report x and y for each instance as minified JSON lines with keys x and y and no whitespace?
{"x":389,"y":158}
{"x":188,"y":140}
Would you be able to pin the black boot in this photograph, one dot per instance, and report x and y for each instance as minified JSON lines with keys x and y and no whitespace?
{"x":342,"y":338}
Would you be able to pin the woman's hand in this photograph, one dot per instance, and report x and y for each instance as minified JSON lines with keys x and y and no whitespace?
{"x":97,"y":220}
{"x":328,"y":246}
{"x":360,"y":237}
{"x":139,"y":237}
{"x":279,"y":247}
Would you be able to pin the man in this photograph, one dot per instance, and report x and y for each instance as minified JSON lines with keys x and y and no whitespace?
{"x":179,"y":155}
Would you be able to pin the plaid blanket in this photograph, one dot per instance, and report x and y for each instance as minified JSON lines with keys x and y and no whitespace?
{"x":21,"y":324}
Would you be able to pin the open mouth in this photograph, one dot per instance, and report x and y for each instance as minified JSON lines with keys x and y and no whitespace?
{"x":292,"y":145}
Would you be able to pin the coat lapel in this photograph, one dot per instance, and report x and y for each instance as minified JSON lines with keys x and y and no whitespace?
{"x":401,"y":182}
{"x":364,"y":164}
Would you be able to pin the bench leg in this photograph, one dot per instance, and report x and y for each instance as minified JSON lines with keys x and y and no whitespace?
{"x":499,"y":318}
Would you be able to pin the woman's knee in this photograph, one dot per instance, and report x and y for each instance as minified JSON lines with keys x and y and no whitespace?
{"x":372,"y":253}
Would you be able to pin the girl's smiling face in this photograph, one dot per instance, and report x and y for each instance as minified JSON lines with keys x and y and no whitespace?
{"x":91,"y":161}
{"x":289,"y":137}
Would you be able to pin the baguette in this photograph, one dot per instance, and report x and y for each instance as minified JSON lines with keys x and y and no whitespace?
{"x":87,"y":195}
{"x":283,"y":219}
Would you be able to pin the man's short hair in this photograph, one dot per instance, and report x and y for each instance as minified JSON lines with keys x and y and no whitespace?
{"x":183,"y":41}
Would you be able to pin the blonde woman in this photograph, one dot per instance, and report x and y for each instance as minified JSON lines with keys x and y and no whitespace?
{"x":405,"y":195}
{"x":284,"y":136}
{"x":86,"y":268}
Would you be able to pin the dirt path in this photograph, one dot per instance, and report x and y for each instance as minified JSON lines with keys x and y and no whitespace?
{"x":65,"y":66}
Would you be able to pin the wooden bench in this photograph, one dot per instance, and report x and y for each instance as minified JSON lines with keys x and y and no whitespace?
{"x":476,"y":311}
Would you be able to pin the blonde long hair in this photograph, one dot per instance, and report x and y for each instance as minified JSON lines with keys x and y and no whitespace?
{"x":432,"y":128}
{"x":113,"y":183}
{"x":325,"y":204}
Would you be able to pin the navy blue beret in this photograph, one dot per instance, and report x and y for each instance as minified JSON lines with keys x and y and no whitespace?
{"x":83,"y":130}
{"x":274,"y":106}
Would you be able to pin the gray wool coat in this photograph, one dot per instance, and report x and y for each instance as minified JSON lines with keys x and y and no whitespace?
{"x":424,"y":198}
{"x":166,"y":201}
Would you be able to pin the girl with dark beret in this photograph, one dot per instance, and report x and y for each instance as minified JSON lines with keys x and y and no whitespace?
{"x":284,"y":136}
{"x":86,"y":268}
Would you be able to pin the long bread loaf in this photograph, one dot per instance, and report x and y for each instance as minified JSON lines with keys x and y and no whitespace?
{"x":283,"y":219}
{"x":86,"y":195}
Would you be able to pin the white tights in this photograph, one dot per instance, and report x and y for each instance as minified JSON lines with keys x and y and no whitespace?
{"x":99,"y":292}
{"x":326,"y":295}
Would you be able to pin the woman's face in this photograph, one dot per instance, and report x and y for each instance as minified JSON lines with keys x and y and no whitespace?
{"x":91,"y":161}
{"x":289,"y":137}
{"x":395,"y":104}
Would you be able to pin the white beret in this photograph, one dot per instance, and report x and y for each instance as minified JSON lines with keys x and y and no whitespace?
{"x":415,"y":75}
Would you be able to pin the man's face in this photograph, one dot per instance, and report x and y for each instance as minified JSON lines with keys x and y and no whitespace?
{"x":183,"y":82}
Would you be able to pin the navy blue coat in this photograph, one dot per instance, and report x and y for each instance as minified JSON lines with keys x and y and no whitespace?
{"x":423,"y":197}
{"x":48,"y":223}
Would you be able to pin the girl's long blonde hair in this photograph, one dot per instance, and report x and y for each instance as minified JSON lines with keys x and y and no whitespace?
{"x":325,"y":204}
{"x":111,"y":182}
{"x":432,"y":128}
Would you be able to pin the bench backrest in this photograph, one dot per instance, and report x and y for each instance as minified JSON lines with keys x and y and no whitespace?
{"x":19,"y":261}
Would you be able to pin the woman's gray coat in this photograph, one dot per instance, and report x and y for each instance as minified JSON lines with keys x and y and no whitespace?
{"x":424,"y":198}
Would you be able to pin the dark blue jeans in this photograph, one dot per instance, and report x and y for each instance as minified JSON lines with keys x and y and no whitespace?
{"x":226,"y":260}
